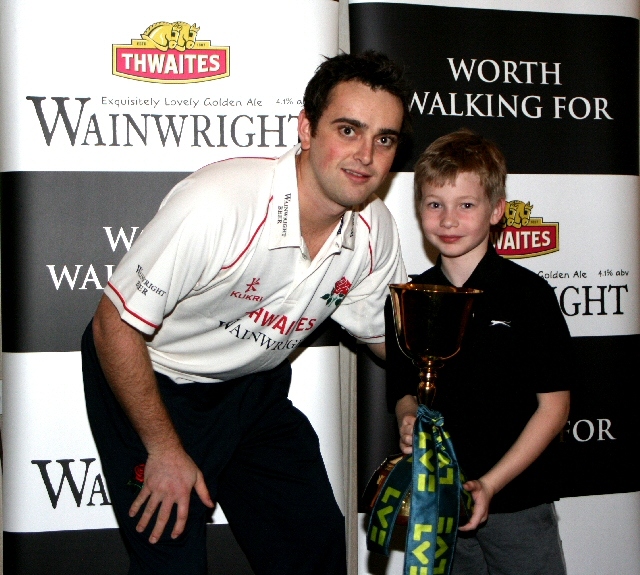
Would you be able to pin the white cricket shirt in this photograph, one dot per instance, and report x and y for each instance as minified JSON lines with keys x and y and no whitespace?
{"x":222,"y":279}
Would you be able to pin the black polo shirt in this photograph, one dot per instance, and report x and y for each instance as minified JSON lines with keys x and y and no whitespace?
{"x":516,"y":345}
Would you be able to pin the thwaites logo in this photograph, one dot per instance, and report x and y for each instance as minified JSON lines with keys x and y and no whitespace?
{"x":168,"y":53}
{"x":519,"y":235}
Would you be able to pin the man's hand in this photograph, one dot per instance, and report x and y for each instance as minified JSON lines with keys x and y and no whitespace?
{"x":168,"y":481}
{"x":406,"y":411}
{"x":170,"y":474}
{"x":482,"y":494}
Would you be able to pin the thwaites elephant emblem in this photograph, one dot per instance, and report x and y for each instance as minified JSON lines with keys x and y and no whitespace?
{"x":170,"y":35}
{"x":517,"y":214}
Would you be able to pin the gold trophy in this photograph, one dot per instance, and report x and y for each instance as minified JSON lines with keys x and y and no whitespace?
{"x":429,"y":322}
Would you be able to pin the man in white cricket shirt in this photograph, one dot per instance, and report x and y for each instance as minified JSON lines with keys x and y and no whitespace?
{"x":185,"y":368}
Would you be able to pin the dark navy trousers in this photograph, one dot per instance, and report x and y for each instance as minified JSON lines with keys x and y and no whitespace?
{"x":261,"y":461}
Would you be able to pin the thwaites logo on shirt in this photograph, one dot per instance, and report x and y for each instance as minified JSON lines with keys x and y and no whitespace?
{"x":524,"y":236}
{"x":168,"y":53}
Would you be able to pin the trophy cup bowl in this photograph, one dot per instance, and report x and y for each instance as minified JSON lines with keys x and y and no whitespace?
{"x":430,"y":321}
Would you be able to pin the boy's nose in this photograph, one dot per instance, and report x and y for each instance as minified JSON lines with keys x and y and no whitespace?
{"x":448,"y":220}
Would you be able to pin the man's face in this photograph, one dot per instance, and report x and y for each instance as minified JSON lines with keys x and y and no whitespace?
{"x":456,"y":219}
{"x":353,"y":146}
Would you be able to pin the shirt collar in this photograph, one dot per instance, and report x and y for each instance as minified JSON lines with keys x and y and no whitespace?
{"x":284,"y":213}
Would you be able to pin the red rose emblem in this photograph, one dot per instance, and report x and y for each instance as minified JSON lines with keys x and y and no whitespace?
{"x":338,"y":293}
{"x":342,"y":287}
{"x":137,"y":480}
{"x":139,"y":472}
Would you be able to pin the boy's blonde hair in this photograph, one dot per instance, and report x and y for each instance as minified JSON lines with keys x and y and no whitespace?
{"x":459,"y":152}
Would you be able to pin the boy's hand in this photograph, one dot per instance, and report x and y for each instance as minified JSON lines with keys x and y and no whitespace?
{"x":482,"y":494}
{"x":406,"y":411}
{"x":406,"y":433}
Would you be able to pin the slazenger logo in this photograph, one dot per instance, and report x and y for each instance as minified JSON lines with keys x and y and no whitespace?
{"x":168,"y":53}
{"x":524,"y":236}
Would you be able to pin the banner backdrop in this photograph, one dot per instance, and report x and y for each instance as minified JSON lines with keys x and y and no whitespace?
{"x":98,"y":120}
{"x":556,"y":86}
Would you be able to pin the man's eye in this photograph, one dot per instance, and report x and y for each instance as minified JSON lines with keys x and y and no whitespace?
{"x":467,"y":205}
{"x":347,"y":130}
{"x":387,"y":141}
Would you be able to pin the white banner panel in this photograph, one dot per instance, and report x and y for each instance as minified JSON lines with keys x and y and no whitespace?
{"x":590,"y":528}
{"x":108,"y":116}
{"x":54,"y":480}
{"x":596,"y":275}
{"x":101,"y":112}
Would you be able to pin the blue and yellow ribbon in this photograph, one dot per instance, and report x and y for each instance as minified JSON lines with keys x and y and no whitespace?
{"x":434,"y":477}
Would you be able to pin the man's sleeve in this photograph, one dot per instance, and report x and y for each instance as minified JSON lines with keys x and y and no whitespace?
{"x":167,"y":261}
{"x":362,"y":311}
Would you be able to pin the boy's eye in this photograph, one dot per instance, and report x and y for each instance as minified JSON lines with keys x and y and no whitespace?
{"x":467,"y":205}
{"x":433,"y":205}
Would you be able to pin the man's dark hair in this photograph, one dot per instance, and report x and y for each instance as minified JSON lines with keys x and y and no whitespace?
{"x":371,"y":68}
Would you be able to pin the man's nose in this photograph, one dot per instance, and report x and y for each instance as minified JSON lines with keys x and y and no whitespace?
{"x":364,"y":151}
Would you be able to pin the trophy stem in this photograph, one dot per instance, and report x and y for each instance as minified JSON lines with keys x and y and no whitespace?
{"x":427,"y":386}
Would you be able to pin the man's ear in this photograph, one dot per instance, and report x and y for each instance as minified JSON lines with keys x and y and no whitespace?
{"x":304,"y":130}
{"x":498,"y":211}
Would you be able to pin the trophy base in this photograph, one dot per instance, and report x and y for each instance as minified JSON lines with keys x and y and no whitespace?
{"x":374,"y":486}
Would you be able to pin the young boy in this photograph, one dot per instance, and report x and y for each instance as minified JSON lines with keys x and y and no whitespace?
{"x":504,"y":396}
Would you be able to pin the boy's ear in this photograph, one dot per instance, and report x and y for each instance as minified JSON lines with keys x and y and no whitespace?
{"x":304,"y":130}
{"x":498,"y":211}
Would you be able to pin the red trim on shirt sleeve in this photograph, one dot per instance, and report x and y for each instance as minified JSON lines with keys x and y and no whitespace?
{"x":366,"y":223}
{"x":153,"y":325}
{"x":253,"y":237}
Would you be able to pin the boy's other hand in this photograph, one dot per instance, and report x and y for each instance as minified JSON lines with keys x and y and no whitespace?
{"x":482,"y":494}
{"x":406,"y":411}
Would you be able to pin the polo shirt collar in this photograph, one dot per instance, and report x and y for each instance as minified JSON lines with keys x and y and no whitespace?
{"x":486,"y":271}
{"x":284,"y":213}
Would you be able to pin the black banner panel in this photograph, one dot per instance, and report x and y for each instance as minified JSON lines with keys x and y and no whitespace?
{"x":62,"y":235}
{"x":102,"y":552}
{"x":558,"y":91}
{"x":559,"y":94}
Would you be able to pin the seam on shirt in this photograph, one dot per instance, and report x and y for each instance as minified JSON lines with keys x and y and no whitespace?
{"x":124,"y":303}
{"x":253,"y":237}
{"x":366,"y":223}
{"x":370,"y":337}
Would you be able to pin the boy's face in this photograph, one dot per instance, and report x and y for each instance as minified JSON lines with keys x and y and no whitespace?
{"x":354,"y":144}
{"x":456,"y":219}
